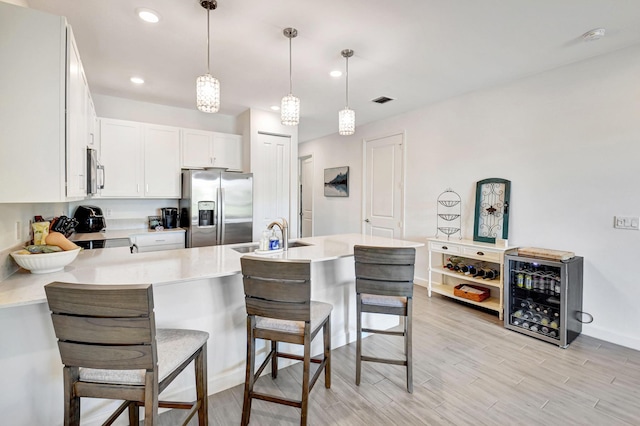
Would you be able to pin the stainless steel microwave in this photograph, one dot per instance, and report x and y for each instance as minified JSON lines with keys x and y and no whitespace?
{"x":95,"y":172}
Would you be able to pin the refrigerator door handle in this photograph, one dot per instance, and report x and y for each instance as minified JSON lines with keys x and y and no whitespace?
{"x":221,"y":207}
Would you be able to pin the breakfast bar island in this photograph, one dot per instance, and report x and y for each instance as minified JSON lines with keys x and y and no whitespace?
{"x":196,"y":288}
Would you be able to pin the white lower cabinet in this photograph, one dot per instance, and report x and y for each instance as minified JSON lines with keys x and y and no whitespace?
{"x":157,"y":241}
{"x":140,"y":160}
{"x":203,"y":149}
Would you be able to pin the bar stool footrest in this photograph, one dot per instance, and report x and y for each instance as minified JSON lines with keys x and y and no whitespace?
{"x":270,"y":398}
{"x":387,"y":332}
{"x":384,"y":360}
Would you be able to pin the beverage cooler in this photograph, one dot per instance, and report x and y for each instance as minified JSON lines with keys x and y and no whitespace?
{"x":543,"y":297}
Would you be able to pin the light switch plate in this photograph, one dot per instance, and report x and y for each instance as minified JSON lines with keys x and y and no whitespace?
{"x":626,"y":222}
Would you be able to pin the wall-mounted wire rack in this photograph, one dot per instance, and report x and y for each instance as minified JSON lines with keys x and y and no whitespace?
{"x":449,"y":208}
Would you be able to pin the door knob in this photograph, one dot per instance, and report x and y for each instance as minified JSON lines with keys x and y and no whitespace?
{"x":367,"y":220}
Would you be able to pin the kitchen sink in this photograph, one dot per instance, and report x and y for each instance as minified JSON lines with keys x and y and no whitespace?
{"x":246,"y":249}
{"x":253,"y":247}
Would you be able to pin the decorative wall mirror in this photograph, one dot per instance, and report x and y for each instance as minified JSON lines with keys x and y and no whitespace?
{"x":492,"y":210}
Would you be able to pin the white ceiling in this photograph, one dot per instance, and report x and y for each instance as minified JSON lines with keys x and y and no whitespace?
{"x":415,"y":51}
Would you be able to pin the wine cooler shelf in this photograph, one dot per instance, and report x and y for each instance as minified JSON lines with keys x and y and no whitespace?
{"x":543,"y":318}
{"x":549,"y":331}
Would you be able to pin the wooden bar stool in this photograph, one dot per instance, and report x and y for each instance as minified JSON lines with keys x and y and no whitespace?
{"x":384,"y":285}
{"x":279,"y":309}
{"x":111,"y":349}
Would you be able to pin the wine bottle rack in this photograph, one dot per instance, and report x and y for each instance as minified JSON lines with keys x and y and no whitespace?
{"x":484,"y":256}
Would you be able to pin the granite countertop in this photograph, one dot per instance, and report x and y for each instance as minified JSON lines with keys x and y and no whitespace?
{"x":118,"y":266}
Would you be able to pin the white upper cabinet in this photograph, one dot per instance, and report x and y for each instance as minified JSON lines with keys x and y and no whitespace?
{"x":162,"y":174}
{"x":203,"y":149}
{"x":227,"y":151}
{"x":43,"y":127}
{"x":197,"y":149}
{"x":121,"y":155}
{"x":139,"y":159}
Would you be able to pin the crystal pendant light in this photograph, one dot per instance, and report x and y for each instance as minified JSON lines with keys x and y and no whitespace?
{"x":207,"y":86}
{"x":290,"y":107}
{"x":347,"y":117}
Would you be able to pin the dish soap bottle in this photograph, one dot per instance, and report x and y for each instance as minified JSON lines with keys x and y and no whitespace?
{"x":274,"y":242}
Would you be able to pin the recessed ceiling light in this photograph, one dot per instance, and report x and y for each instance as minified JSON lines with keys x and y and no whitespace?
{"x":275,"y":107}
{"x":148,"y":15}
{"x":335,"y":74}
{"x":595,"y":34}
{"x":137,"y":80}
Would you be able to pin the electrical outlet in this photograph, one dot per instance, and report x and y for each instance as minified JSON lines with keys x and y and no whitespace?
{"x":626,"y":222}
{"x":109,"y":212}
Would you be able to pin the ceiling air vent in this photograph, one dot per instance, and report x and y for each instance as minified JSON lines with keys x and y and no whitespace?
{"x":382,"y":100}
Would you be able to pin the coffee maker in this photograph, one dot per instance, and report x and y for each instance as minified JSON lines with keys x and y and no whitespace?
{"x":169,"y":217}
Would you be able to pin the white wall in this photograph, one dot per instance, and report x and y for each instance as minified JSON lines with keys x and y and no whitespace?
{"x":336,"y":215}
{"x":568,"y":141}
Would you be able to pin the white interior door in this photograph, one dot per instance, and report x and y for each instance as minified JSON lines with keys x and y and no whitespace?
{"x":271,"y":181}
{"x":384,"y":186}
{"x":306,"y":196}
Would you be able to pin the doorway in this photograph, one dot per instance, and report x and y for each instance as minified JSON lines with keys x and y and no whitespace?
{"x":383,"y":198}
{"x":306,"y":196}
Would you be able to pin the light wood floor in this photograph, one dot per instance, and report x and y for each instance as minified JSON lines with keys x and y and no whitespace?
{"x":468,"y":369}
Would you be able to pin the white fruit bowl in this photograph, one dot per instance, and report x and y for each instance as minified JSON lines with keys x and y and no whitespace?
{"x":43,"y":263}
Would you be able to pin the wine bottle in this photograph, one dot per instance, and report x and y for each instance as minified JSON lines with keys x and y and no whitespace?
{"x":520,"y":279}
{"x":468,"y":269}
{"x":452,"y":262}
{"x":491,"y":274}
{"x":528,"y":283}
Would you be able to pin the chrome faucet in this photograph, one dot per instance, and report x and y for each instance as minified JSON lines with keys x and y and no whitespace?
{"x":284,"y":229}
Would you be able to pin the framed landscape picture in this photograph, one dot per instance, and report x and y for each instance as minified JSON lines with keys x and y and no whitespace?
{"x":336,"y":182}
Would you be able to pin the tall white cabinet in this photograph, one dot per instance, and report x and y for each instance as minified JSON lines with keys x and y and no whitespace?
{"x":79,"y":117}
{"x":43,"y":113}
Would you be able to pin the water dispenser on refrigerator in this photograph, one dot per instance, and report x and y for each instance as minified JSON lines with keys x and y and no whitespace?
{"x":205,"y":213}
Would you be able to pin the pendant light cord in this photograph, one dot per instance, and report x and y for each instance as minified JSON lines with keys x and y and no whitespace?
{"x":347,"y":79}
{"x":290,"y":78}
{"x":208,"y":35}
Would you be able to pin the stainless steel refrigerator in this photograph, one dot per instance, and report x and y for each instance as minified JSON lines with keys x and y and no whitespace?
{"x":216,"y":207}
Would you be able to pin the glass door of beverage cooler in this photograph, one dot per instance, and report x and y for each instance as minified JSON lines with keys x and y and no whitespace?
{"x":543,"y":298}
